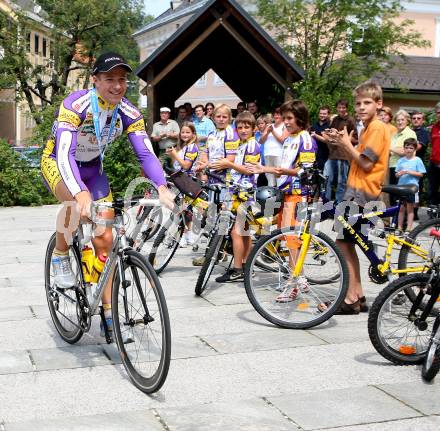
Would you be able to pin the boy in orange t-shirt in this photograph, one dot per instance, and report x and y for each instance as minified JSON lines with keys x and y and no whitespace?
{"x":368,"y":167}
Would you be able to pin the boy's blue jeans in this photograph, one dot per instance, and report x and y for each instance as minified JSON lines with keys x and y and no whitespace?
{"x":337,"y":172}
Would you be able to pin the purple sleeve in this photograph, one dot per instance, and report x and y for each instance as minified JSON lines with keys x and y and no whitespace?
{"x":150,"y":163}
{"x":134,"y":125}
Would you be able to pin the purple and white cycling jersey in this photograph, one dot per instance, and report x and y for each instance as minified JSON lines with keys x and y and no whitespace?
{"x":76,"y":146}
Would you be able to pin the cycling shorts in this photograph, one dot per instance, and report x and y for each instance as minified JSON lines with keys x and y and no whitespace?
{"x":95,"y":181}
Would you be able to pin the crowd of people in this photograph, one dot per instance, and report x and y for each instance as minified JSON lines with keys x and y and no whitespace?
{"x":357,"y":154}
{"x":404,"y":129}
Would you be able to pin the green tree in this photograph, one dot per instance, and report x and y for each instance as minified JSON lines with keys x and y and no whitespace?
{"x":19,"y":183}
{"x":79,"y":31}
{"x":338,"y":43}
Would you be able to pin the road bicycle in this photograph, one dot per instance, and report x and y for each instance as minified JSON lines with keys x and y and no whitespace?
{"x":406,"y":331}
{"x":139,"y":311}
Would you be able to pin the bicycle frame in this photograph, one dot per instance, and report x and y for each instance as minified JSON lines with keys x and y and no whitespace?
{"x":115,"y":258}
{"x":368,"y":250}
{"x":315,"y":190}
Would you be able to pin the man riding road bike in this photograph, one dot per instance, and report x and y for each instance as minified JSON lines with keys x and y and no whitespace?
{"x":71,"y":165}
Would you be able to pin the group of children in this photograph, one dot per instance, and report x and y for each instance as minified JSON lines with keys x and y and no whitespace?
{"x":234,"y":152}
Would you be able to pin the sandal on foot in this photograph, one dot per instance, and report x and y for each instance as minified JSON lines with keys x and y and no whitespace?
{"x":288,"y":295}
{"x":348,"y":309}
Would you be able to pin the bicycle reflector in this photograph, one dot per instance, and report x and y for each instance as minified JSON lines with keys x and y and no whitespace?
{"x":407,"y":350}
{"x":435,"y":232}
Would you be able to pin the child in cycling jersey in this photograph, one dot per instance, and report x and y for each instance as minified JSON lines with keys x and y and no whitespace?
{"x":188,"y":151}
{"x":299,"y":151}
{"x":221,"y":145}
{"x":183,"y":160}
{"x":248,"y":152}
{"x":220,"y":149}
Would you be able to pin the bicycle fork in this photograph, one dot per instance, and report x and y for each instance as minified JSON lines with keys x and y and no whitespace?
{"x":420,"y":322}
{"x":129,"y":321}
{"x":306,"y":238}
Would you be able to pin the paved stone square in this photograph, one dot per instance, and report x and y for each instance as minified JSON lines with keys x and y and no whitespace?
{"x":230,"y":370}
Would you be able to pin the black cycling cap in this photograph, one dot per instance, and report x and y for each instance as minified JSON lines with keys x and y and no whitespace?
{"x":108,"y":61}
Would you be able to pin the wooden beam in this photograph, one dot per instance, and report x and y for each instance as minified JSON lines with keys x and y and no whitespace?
{"x":196,"y":42}
{"x":255,"y":54}
{"x":151,"y":101}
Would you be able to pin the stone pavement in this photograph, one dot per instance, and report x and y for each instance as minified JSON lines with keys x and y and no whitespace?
{"x":231,"y":370}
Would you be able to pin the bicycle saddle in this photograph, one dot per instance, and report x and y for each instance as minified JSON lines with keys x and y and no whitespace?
{"x":403,"y":191}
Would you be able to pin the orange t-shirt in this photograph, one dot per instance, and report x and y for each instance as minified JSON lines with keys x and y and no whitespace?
{"x":362,"y":186}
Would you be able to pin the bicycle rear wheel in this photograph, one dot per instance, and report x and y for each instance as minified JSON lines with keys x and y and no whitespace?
{"x":141,"y":323}
{"x":265,"y":283}
{"x":165,"y":245}
{"x":211,"y":259}
{"x":63,"y":303}
{"x":392,"y":329}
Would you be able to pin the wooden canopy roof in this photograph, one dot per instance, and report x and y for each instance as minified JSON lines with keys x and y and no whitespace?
{"x":221,"y":36}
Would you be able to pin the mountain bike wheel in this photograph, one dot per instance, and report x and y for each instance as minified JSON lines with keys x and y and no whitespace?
{"x":265,"y":285}
{"x":141,"y":323}
{"x":391,"y":327}
{"x":212,"y":255}
{"x":63,"y":303}
{"x":431,"y":364}
{"x":165,"y":245}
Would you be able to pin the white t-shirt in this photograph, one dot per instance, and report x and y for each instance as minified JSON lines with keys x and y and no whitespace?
{"x":272,"y":147}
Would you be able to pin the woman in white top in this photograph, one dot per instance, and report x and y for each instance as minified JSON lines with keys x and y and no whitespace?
{"x":272,"y":139}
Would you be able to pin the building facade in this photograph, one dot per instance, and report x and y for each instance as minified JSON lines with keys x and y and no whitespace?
{"x":17,"y":123}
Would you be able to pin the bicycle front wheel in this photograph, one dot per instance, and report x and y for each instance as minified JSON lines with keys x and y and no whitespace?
{"x":274,"y":292}
{"x":391,"y":326}
{"x":63,"y":303}
{"x":141,"y":323}
{"x":431,"y":364}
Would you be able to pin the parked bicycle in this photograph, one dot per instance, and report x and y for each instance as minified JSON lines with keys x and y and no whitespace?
{"x":279,"y":260}
{"x":319,"y":259}
{"x":139,"y":311}
{"x":220,"y":242}
{"x":404,"y":319}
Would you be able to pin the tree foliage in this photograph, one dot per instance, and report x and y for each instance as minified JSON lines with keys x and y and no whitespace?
{"x":79,"y":31}
{"x":19,"y":183}
{"x":338,"y":43}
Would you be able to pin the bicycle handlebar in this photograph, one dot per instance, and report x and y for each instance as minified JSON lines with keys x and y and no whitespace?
{"x":230,"y":182}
